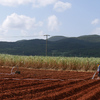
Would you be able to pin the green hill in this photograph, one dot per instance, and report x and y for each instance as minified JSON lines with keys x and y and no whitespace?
{"x":56,"y":38}
{"x":90,"y":38}
{"x":83,"y":46}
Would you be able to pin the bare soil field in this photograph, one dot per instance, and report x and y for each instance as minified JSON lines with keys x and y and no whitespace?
{"x":33,"y":84}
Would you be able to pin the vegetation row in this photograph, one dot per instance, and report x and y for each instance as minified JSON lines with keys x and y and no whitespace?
{"x":55,"y":63}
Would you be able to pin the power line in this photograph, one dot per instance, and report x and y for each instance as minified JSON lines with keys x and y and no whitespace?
{"x":22,"y":36}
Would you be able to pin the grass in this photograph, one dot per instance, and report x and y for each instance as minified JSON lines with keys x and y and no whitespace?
{"x":55,"y":63}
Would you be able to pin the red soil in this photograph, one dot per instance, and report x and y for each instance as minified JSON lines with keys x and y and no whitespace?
{"x":48,"y":85}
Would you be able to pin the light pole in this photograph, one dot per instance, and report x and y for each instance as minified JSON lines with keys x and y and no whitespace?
{"x":46,"y":43}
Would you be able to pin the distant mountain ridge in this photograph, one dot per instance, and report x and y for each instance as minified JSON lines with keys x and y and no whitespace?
{"x":83,"y":46}
{"x":56,"y":38}
{"x":89,"y":38}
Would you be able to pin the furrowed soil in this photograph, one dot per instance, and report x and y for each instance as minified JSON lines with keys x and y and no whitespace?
{"x":33,"y":84}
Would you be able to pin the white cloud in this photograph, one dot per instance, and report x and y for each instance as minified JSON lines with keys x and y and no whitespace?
{"x":15,"y":2}
{"x":2,"y":31}
{"x":35,"y":3}
{"x":39,"y":24}
{"x":58,"y":5}
{"x":94,"y":22}
{"x":53,"y":23}
{"x":96,"y":31}
{"x":61,"y":6}
{"x":20,"y":22}
{"x":40,"y":33}
{"x":20,"y":25}
{"x":39,"y":3}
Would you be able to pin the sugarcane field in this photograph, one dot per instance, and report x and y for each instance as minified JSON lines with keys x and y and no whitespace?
{"x":48,"y":78}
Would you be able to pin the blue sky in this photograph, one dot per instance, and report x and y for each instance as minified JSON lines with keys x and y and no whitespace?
{"x":31,"y":19}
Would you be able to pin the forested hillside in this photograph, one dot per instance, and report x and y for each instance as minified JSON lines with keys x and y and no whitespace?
{"x":84,"y":46}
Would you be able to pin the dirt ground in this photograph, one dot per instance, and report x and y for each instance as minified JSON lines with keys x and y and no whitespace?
{"x":33,"y":84}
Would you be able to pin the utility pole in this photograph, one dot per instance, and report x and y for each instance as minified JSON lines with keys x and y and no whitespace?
{"x":46,"y":43}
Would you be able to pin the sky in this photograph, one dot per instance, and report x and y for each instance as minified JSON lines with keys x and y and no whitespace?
{"x":32,"y":19}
